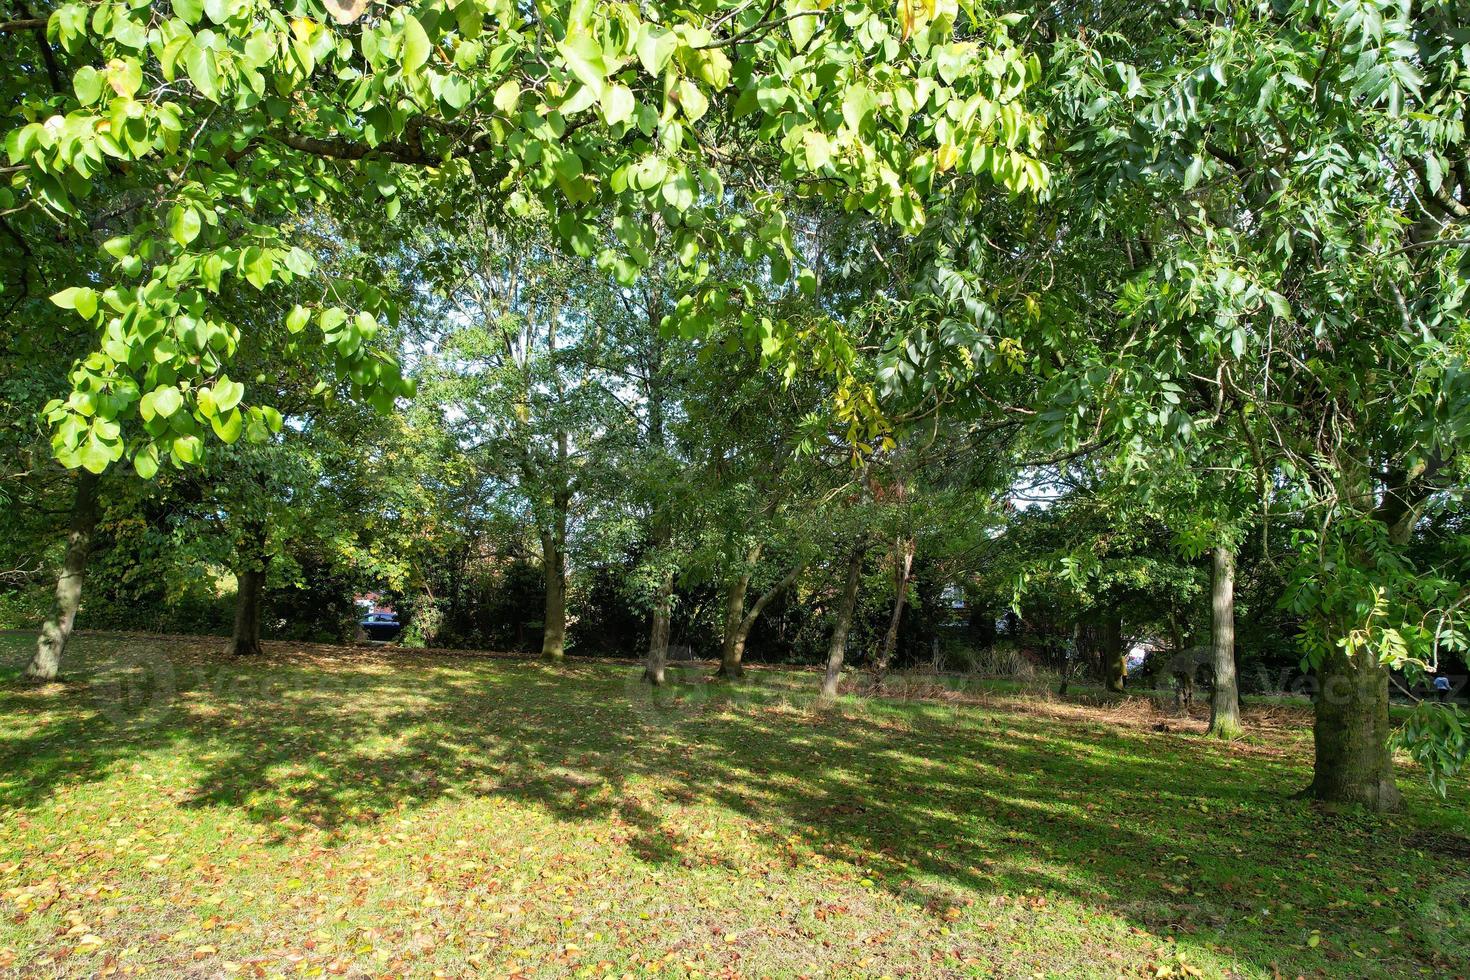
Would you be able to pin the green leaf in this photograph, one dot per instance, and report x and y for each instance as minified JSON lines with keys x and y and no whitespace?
{"x":228,"y":425}
{"x":367,"y":324}
{"x":1193,"y":172}
{"x":187,"y":449}
{"x":806,"y":280}
{"x":678,"y":191}
{"x":857,"y":105}
{"x":297,"y":319}
{"x":456,"y":92}
{"x":83,"y":299}
{"x":507,"y":95}
{"x":714,"y":68}
{"x":199,"y":63}
{"x":166,"y":400}
{"x":125,"y":75}
{"x":802,"y":28}
{"x":87,"y":83}
{"x":692,"y":100}
{"x":145,"y":461}
{"x":818,"y":148}
{"x":227,"y":393}
{"x":584,"y":59}
{"x":189,"y":11}
{"x":655,"y":47}
{"x":648,"y":173}
{"x":258,"y":266}
{"x":183,"y":224}
{"x":95,"y":455}
{"x":617,"y":104}
{"x":416,"y":45}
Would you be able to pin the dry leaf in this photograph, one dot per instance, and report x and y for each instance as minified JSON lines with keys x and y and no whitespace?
{"x":346,"y":11}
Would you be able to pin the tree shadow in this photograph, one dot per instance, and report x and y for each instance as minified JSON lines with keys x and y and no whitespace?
{"x":937,"y":804}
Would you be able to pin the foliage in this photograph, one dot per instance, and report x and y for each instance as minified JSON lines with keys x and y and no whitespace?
{"x":220,"y":124}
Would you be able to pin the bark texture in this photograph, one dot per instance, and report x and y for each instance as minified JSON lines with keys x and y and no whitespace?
{"x":1353,"y":763}
{"x":837,"y":651}
{"x":739,"y":621}
{"x":249,"y":592}
{"x":1225,"y":699}
{"x":658,"y":632}
{"x":554,"y":566}
{"x":45,"y":664}
{"x":1350,"y":728}
{"x":732,"y":645}
{"x":903,"y":568}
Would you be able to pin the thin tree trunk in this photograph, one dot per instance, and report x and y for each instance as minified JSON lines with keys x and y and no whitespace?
{"x":1225,"y":699}
{"x":554,"y":540}
{"x":732,"y":647}
{"x":249,"y":590}
{"x":903,"y":559}
{"x":658,"y":633}
{"x":732,"y":650}
{"x":45,"y":665}
{"x":838,"y":650}
{"x":1111,"y":643}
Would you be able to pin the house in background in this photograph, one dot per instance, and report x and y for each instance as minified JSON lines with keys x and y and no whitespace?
{"x":371,"y":602}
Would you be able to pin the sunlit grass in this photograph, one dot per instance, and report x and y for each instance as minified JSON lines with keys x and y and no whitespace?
{"x":172,"y":812}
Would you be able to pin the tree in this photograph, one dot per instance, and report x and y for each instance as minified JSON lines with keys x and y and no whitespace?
{"x":842,"y":623}
{"x":1309,"y":288}
{"x":1257,"y":210}
{"x":1090,"y":558}
{"x":625,"y":111}
{"x":1225,"y":694}
{"x":515,"y":317}
{"x":46,"y":664}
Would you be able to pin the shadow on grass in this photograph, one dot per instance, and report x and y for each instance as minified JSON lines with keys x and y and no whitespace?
{"x":939,"y":803}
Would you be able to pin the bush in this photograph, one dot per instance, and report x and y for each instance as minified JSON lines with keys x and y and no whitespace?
{"x":1002,"y":659}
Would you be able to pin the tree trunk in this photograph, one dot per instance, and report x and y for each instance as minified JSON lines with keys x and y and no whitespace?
{"x":1351,"y":727}
{"x":250,"y":587}
{"x":838,"y":650}
{"x":45,"y":665}
{"x":1353,"y":760}
{"x":732,"y":650}
{"x":732,"y":647}
{"x":658,"y":632}
{"x":1110,"y":641}
{"x":554,"y":565}
{"x":903,"y":561}
{"x":1225,"y":700}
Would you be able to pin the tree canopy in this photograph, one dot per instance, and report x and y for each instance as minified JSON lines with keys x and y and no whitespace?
{"x":683,"y":315}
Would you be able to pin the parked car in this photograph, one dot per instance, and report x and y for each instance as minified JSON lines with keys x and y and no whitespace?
{"x":381,"y":625}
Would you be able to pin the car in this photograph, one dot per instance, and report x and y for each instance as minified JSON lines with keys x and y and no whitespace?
{"x":381,"y":625}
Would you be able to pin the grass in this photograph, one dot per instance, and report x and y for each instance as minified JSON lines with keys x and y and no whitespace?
{"x":171,"y":812}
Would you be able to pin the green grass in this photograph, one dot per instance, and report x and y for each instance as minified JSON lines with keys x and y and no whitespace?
{"x":171,"y":812}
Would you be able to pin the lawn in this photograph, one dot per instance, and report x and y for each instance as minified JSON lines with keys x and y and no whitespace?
{"x":331,"y":812}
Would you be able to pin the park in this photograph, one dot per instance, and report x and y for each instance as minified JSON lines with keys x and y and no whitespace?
{"x":736,"y":488}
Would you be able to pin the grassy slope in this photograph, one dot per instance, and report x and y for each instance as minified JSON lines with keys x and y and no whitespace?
{"x":311,"y":813}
